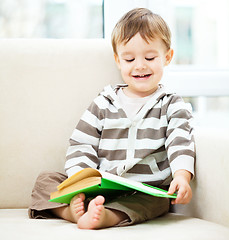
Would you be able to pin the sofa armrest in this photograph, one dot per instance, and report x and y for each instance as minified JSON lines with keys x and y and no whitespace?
{"x":210,"y":185}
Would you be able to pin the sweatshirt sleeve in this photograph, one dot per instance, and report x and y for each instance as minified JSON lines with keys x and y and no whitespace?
{"x":84,"y":141}
{"x":179,"y":142}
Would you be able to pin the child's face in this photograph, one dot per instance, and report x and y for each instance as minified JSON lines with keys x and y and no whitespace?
{"x":141,"y":65}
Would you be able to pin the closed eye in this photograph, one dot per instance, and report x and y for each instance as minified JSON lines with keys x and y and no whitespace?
{"x":150,"y":59}
{"x":130,"y":60}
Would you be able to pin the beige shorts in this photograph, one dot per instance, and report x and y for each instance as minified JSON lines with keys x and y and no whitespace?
{"x":139,"y":207}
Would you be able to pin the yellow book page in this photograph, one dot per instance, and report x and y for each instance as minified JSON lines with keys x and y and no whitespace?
{"x":85,"y":173}
{"x":84,"y":183}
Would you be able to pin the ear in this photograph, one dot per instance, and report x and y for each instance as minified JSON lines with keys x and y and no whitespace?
{"x":169,"y":56}
{"x":117,"y":60}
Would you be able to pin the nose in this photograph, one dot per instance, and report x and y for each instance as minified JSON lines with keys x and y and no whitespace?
{"x":140,"y":64}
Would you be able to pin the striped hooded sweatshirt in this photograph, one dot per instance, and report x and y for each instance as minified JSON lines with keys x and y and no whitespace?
{"x":148,"y":148}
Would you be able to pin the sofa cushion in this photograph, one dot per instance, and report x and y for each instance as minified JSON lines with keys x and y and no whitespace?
{"x":15,"y":224}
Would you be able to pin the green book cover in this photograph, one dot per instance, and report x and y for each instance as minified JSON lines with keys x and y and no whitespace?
{"x":111,"y":185}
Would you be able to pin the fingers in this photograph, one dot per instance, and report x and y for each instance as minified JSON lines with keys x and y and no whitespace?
{"x":183,"y":197}
{"x":173,"y":188}
{"x":184,"y":194}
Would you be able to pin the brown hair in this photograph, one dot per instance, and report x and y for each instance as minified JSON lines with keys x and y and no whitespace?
{"x":143,"y":21}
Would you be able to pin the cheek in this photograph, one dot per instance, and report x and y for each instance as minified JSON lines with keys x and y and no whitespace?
{"x":158,"y":66}
{"x":125,"y":70}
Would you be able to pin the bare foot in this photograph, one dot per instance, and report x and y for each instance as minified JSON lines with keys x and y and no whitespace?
{"x":99,"y":217}
{"x":77,"y":207}
{"x":72,"y":212}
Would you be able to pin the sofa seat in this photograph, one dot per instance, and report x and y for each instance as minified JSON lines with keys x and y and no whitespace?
{"x":15,"y":224}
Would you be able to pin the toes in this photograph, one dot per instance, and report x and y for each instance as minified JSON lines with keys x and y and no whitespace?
{"x":81,"y":196}
{"x":99,"y":200}
{"x":77,"y":206}
{"x":95,"y":216}
{"x":74,"y":199}
{"x":78,"y":198}
{"x":97,"y":213}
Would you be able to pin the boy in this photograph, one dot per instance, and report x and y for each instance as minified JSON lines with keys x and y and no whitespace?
{"x":137,"y":130}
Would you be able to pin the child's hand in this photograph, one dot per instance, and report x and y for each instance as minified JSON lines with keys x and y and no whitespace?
{"x":180,"y":183}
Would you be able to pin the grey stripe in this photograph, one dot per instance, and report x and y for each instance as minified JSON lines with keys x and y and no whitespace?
{"x":82,"y":165}
{"x":75,"y":143}
{"x":174,"y":99}
{"x":171,"y":100}
{"x":95,"y":110}
{"x":182,"y":152}
{"x":183,"y":113}
{"x":140,"y":169}
{"x":161,"y":110}
{"x":163,"y":165}
{"x":151,"y":133}
{"x":155,"y":183}
{"x":180,"y":141}
{"x":185,"y":126}
{"x":83,"y":154}
{"x":88,"y":129}
{"x":112,"y":155}
{"x":114,"y":133}
{"x":153,"y":113}
{"x":101,"y":114}
{"x":143,"y":153}
{"x":162,"y":183}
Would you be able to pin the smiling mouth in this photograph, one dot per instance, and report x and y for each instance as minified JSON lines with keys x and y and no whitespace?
{"x":143,"y":76}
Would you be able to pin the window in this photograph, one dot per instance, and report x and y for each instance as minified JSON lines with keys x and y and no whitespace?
{"x":51,"y":19}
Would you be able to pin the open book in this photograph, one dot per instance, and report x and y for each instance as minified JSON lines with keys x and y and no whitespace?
{"x":93,"y":182}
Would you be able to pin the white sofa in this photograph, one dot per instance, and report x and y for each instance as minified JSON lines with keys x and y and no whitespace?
{"x":45,"y":85}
